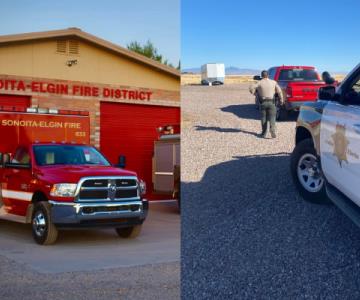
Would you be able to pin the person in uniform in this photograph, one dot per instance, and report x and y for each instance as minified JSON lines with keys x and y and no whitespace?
{"x":326,"y":77}
{"x":265,"y":89}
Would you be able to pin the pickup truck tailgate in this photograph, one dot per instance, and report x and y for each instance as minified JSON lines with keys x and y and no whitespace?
{"x":303,"y":91}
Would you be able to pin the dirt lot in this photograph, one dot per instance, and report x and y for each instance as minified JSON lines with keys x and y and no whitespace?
{"x":246,"y":233}
{"x":94,"y":264}
{"x":195,"y":79}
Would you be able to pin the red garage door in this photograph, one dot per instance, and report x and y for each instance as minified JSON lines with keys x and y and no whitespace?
{"x":130,"y":130}
{"x":16,"y":101}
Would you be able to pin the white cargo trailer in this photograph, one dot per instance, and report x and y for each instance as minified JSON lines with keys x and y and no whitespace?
{"x":212,"y":74}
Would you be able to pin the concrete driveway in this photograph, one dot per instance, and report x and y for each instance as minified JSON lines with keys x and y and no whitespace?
{"x":86,"y":250}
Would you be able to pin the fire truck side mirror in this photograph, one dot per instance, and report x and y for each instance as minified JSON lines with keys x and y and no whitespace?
{"x":4,"y":158}
{"x":122,"y":161}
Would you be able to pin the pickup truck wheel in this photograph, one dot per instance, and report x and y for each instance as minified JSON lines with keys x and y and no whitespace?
{"x":306,"y":172}
{"x":129,"y":232}
{"x":43,"y":230}
{"x":281,"y":113}
{"x":257,"y":102}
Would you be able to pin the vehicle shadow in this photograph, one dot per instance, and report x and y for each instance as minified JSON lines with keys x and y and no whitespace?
{"x":249,"y":111}
{"x":245,"y":228}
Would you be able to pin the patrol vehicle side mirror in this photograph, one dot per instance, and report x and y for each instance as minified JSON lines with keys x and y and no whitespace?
{"x":327,"y":93}
{"x":257,"y":77}
{"x":122,"y":161}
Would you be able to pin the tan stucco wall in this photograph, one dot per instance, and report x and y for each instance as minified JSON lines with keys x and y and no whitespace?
{"x":97,"y":65}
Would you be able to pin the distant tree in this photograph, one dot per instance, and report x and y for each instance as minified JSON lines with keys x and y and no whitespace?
{"x":148,"y":50}
{"x":179,"y":66}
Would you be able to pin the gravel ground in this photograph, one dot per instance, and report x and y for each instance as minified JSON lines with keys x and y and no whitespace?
{"x":160,"y":281}
{"x":245,"y":231}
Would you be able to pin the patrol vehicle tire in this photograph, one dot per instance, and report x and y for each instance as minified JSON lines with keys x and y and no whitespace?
{"x":43,"y":230}
{"x":129,"y":232}
{"x":306,"y":172}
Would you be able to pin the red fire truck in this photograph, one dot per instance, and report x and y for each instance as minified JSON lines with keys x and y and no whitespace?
{"x":53,"y":179}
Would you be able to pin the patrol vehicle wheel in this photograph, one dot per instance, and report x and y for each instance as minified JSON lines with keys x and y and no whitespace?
{"x":306,"y":172}
{"x":129,"y":232}
{"x":43,"y":230}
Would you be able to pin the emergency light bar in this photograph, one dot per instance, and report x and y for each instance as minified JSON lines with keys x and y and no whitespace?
{"x":168,"y":129}
{"x":39,"y":110}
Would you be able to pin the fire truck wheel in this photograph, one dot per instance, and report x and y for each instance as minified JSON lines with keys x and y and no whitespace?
{"x":306,"y":172}
{"x":129,"y":232}
{"x":43,"y":230}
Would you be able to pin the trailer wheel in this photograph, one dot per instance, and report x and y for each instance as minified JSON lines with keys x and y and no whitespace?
{"x":306,"y":172}
{"x":43,"y":230}
{"x":129,"y":232}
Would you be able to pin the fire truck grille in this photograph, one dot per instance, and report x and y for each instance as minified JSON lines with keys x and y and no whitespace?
{"x":112,"y":189}
{"x":126,"y":193}
{"x":94,"y":194}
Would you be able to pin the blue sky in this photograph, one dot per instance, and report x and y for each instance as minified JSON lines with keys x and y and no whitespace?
{"x":259,"y":34}
{"x":117,"y":21}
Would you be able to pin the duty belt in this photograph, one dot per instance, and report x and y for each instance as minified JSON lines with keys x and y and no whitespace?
{"x":267,"y":99}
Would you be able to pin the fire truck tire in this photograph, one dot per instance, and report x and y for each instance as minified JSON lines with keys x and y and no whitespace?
{"x":306,"y":173}
{"x":43,"y":230}
{"x":129,"y":232}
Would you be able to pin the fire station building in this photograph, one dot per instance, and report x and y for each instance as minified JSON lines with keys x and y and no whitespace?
{"x":126,"y":94}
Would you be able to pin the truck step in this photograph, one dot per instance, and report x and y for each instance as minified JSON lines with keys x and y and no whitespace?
{"x":347,"y":206}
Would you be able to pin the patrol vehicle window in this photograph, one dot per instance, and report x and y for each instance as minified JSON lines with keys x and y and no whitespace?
{"x":352,"y":96}
{"x":356,"y":86}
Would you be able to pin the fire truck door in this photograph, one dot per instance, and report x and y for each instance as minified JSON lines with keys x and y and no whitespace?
{"x":17,"y":176}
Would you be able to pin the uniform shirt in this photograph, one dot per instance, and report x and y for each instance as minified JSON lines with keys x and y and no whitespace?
{"x":266,"y":89}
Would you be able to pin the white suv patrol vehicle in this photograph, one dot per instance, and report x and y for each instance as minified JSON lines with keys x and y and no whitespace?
{"x":326,"y":160}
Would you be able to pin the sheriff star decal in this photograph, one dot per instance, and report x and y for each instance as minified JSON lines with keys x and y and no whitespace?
{"x":341,"y":144}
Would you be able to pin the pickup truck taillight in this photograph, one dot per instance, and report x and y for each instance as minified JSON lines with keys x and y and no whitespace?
{"x":289,"y":92}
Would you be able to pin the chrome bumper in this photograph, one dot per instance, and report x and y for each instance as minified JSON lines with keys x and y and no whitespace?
{"x":115,"y":214}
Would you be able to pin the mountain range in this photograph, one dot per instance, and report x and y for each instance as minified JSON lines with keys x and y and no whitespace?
{"x":228,"y":71}
{"x":242,"y":71}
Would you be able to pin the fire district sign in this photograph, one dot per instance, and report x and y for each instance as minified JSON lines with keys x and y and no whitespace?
{"x":73,"y":90}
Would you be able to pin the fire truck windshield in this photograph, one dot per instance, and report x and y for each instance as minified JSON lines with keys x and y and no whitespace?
{"x":46,"y":155}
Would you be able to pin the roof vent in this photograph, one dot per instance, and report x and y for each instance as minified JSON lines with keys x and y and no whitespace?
{"x":61,"y":46}
{"x":73,"y":47}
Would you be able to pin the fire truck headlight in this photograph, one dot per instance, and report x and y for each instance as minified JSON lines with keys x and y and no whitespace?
{"x":63,"y":190}
{"x":142,"y":187}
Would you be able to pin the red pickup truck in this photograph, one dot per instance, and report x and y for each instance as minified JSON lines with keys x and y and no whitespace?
{"x":299,"y":84}
{"x":53,"y":179}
